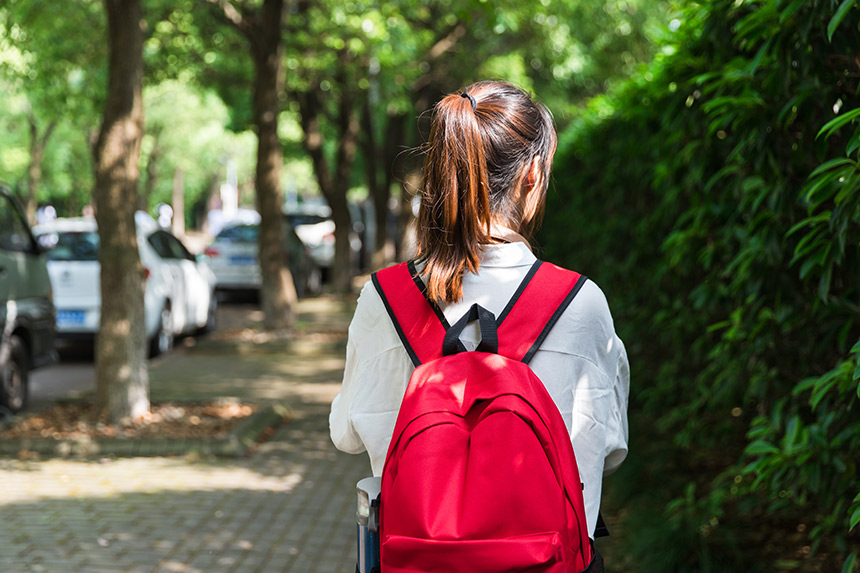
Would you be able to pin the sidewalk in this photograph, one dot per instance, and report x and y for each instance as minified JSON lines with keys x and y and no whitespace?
{"x":288,"y":507}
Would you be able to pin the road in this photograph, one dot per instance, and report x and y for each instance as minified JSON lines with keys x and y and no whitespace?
{"x":62,"y":380}
{"x":74,"y":374}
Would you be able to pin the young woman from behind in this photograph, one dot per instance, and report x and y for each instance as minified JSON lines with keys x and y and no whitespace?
{"x":486,"y":173}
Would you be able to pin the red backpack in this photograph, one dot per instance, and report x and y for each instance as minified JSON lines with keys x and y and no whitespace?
{"x":480,"y":474}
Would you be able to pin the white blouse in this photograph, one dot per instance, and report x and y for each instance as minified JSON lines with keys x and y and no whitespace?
{"x":582,"y":363}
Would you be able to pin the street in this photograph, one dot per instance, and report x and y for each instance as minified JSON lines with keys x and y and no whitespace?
{"x":74,"y":374}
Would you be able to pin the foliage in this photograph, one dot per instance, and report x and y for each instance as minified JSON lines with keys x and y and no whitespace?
{"x":186,"y":130}
{"x":53,"y":81}
{"x":716,"y":198}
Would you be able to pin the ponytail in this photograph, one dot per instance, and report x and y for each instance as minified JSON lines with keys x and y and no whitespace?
{"x":457,"y":212}
{"x":480,"y":140}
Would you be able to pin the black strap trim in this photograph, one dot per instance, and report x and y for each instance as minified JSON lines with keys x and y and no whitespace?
{"x":409,"y":350}
{"x":423,"y":288}
{"x":525,"y":282}
{"x":413,"y":272}
{"x":554,"y":318}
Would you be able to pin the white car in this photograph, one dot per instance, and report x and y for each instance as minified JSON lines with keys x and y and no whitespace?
{"x":179,"y":289}
{"x":233,"y":257}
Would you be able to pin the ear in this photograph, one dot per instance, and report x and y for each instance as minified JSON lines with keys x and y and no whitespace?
{"x":534,"y":182}
{"x":535,"y":174}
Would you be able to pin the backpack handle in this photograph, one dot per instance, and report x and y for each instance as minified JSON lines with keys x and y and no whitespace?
{"x":489,"y":332}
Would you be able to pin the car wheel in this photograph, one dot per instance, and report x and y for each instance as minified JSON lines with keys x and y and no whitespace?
{"x":14,"y":377}
{"x":162,"y":340}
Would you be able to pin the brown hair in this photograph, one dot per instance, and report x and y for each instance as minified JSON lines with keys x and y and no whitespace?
{"x":483,"y":139}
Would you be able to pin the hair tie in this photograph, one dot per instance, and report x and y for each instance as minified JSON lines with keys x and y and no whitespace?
{"x":471,"y":99}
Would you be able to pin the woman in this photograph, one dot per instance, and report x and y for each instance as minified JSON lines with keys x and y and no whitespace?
{"x":485,"y":178}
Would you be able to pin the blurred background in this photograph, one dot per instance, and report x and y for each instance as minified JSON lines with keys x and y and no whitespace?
{"x":706,"y":178}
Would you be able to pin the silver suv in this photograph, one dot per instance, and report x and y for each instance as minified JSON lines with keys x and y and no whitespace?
{"x":26,"y":307}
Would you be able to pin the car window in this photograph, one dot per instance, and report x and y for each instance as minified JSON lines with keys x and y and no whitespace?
{"x":305,"y":219}
{"x":168,"y":247}
{"x":239,"y":234}
{"x":14,"y":233}
{"x":74,"y":246}
{"x":156,"y":241}
{"x":177,"y":248}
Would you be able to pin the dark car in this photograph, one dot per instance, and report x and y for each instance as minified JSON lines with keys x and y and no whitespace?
{"x":26,"y":308}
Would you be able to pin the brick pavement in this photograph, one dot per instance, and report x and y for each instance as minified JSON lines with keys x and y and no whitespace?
{"x":288,"y":507}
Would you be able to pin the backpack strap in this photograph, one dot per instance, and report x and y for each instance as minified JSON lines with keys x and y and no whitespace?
{"x":534,"y":309}
{"x":540,"y":300}
{"x":420,"y":324}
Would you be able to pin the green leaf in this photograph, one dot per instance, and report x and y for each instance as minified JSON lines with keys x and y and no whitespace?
{"x":838,"y":122}
{"x":821,"y":391}
{"x":804,"y":385}
{"x":828,"y":165}
{"x":822,"y":217}
{"x":853,"y":142}
{"x":761,"y":447}
{"x":840,"y":14}
{"x":848,"y":567}
{"x":824,"y":283}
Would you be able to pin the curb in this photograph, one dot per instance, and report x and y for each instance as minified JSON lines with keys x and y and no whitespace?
{"x":237,"y":443}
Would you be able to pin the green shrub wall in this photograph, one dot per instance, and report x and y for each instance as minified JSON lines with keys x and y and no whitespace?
{"x":716,"y":200}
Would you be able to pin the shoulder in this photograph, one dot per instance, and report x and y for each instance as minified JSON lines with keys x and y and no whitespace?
{"x":586,"y":326}
{"x":591,"y":301}
{"x":369,"y":309}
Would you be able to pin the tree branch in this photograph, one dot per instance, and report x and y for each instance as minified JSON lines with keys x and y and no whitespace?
{"x":234,"y":16}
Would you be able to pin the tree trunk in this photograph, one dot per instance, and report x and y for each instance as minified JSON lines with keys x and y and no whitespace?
{"x":178,"y":202}
{"x":151,"y":179}
{"x":334,"y":187}
{"x":379,"y":188}
{"x":277,"y":292}
{"x":391,"y":147}
{"x":34,"y":168}
{"x":122,"y":378}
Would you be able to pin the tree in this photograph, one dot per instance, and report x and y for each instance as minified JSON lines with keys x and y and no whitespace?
{"x":56,"y":69}
{"x":121,"y":371}
{"x":185,"y":145}
{"x":262,"y":29}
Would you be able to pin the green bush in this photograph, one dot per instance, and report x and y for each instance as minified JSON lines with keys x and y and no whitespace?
{"x":716,"y":199}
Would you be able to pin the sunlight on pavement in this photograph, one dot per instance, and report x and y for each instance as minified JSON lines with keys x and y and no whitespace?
{"x":28,"y":481}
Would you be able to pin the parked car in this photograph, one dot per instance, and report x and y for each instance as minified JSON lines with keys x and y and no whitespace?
{"x":179,"y":291}
{"x":26,"y":307}
{"x":315,"y":227}
{"x":233,"y":257}
{"x":317,"y":232}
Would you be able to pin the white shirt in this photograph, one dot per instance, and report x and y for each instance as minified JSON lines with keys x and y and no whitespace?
{"x":582,"y":363}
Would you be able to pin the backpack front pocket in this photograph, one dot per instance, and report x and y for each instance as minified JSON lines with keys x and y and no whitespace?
{"x":536,"y":552}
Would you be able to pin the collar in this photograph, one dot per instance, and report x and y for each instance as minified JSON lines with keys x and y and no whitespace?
{"x":515,"y":254}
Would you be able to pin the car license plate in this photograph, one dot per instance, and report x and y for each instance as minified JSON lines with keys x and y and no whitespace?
{"x":242,"y":260}
{"x":70,"y":317}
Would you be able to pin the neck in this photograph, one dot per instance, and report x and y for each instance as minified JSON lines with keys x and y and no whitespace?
{"x":503,"y":234}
